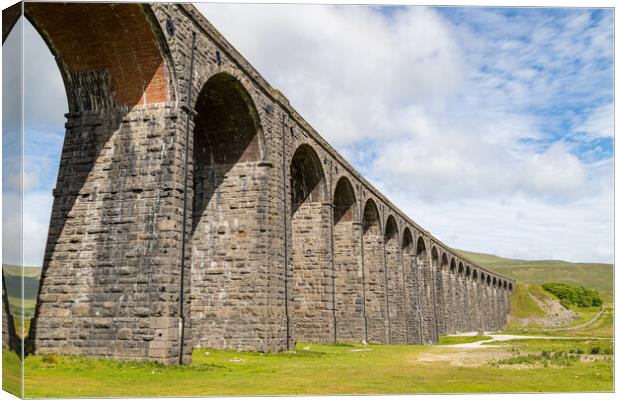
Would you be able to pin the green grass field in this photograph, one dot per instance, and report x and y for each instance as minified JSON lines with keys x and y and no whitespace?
{"x":320,"y":369}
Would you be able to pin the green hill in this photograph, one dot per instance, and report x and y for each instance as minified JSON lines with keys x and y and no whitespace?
{"x":590,"y":275}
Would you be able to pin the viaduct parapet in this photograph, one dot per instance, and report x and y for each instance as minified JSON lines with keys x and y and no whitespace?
{"x":195,"y":207}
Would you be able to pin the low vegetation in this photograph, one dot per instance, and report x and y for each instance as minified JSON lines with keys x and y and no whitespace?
{"x":571,"y":295}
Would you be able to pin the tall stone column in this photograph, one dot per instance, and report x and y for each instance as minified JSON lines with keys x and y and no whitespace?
{"x":110,"y":280}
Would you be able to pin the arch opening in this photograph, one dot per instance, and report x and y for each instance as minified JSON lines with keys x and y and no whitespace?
{"x":307,"y":178}
{"x":344,"y":202}
{"x":311,"y":307}
{"x":226,"y":188}
{"x":407,"y":242}
{"x":375,"y":272}
{"x":349,"y":286}
{"x":395,"y":283}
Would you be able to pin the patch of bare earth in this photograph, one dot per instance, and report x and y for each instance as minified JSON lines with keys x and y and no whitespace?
{"x":464,"y":357}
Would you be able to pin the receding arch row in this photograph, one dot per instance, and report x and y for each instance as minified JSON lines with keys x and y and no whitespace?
{"x":346,"y":206}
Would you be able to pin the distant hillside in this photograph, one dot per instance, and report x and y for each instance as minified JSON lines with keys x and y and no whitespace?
{"x":12,"y":276}
{"x":590,"y":275}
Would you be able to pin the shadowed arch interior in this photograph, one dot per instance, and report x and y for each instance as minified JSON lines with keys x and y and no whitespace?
{"x":434,"y":256}
{"x":227,"y":122}
{"x":344,"y":201}
{"x":391,"y":230}
{"x":452,"y":266}
{"x":371,"y":217}
{"x":421,"y":248}
{"x":307,"y":177}
{"x":444,"y":261}
{"x":407,"y":242}
{"x":461,"y":269}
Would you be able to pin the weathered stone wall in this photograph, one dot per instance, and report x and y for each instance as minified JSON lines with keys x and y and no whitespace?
{"x":376,"y":290}
{"x":349,"y":282}
{"x":395,"y":282}
{"x":198,"y":208}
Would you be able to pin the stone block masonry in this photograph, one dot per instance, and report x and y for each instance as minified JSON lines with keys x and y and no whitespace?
{"x":195,"y":207}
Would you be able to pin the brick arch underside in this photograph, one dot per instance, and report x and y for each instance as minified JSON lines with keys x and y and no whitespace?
{"x":229,"y":273}
{"x":109,"y":54}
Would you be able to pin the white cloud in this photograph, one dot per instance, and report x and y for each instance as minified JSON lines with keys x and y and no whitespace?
{"x":599,"y":123}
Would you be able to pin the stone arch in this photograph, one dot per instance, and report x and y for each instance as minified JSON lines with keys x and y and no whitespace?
{"x":109,"y":55}
{"x":461,"y":296}
{"x":311,"y":308}
{"x":227,"y":185}
{"x":345,"y":209}
{"x":120,"y":175}
{"x":407,"y":244}
{"x":444,"y":261}
{"x":395,"y":282}
{"x":424,"y":285}
{"x":391,"y":230}
{"x":510,"y":287}
{"x":349,"y":280}
{"x":307,"y":178}
{"x":374,"y":268}
{"x":446,"y":294}
{"x":410,"y":295}
{"x":488,"y":280}
{"x":437,"y":292}
{"x":421,"y":248}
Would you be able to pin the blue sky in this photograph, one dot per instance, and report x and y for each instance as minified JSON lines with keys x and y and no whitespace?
{"x":492,"y":128}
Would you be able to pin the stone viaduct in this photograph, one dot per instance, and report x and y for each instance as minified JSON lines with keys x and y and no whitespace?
{"x":195,"y":207}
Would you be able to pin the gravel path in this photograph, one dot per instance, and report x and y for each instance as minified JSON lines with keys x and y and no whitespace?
{"x":501,"y":338}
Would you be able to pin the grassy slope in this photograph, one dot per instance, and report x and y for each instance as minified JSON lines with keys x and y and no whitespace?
{"x":325,"y":369}
{"x":522,"y":305}
{"x":595,"y":276}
